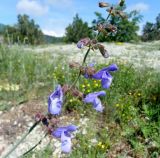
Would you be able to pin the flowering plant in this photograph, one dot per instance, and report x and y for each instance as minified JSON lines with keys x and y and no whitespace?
{"x":58,"y":97}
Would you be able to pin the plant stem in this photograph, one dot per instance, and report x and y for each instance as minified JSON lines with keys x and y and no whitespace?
{"x":35,"y":145}
{"x":23,"y":137}
{"x":84,"y":60}
{"x":79,"y":74}
{"x":85,"y":57}
{"x":108,"y":17}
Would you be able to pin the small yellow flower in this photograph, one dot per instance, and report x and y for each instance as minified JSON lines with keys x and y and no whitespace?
{"x":96,"y":85}
{"x":88,"y":85}
{"x":88,"y":90}
{"x":117,"y":105}
{"x":71,"y":100}
{"x":102,"y":146}
{"x":130,"y":93}
{"x":100,"y":143}
{"x":83,"y":86}
{"x":139,"y":94}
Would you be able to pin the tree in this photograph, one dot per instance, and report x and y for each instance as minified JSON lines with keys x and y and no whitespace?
{"x":148,"y":32}
{"x":77,"y":30}
{"x":25,"y":31}
{"x":2,"y":28}
{"x":126,"y":27}
{"x":151,"y":31}
{"x":158,"y":27}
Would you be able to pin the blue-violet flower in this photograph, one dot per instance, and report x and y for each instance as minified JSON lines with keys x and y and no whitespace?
{"x":64,"y":134}
{"x":96,"y":102}
{"x":55,"y":101}
{"x":104,"y":75}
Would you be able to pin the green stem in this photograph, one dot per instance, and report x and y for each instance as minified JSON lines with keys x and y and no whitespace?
{"x":20,"y":141}
{"x":35,"y":145}
{"x":79,"y":74}
{"x":85,"y":57}
{"x":108,"y":17}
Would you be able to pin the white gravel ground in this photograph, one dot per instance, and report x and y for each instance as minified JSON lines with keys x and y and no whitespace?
{"x":140,"y":54}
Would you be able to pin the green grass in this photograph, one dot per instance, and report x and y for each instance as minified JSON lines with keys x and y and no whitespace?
{"x":132,"y":105}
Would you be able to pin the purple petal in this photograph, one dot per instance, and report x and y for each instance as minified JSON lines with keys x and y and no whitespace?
{"x":97,"y":105}
{"x":66,"y":143}
{"x":71,"y":128}
{"x":57,"y":93}
{"x":100,"y":93}
{"x":58,"y":132}
{"x":80,"y":44}
{"x":55,"y":101}
{"x":91,"y":64}
{"x":54,"y":106}
{"x":98,"y":75}
{"x":86,"y":75}
{"x":91,"y":96}
{"x":112,"y":67}
{"x":106,"y":80}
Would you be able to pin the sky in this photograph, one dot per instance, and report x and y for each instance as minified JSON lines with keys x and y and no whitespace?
{"x":54,"y":16}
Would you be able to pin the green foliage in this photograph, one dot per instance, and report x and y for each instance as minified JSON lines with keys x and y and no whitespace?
{"x":151,"y":31}
{"x":132,"y":105}
{"x":126,"y":27}
{"x":148,"y":32}
{"x":2,"y":28}
{"x":25,"y":31}
{"x":77,"y":30}
{"x":51,"y":39}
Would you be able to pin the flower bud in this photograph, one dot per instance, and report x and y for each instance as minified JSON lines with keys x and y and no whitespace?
{"x":90,"y":71}
{"x":101,"y":28}
{"x":120,"y":13}
{"x":74,"y":65}
{"x":45,"y":121}
{"x":103,"y":4}
{"x":38,"y":117}
{"x":110,"y":27}
{"x":82,"y":69}
{"x":94,"y":41}
{"x":110,"y":10}
{"x":83,"y":42}
{"x":76,"y":93}
{"x":103,"y":51}
{"x":65,"y":88}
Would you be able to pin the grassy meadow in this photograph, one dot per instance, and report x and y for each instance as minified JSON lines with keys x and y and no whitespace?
{"x":130,"y":124}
